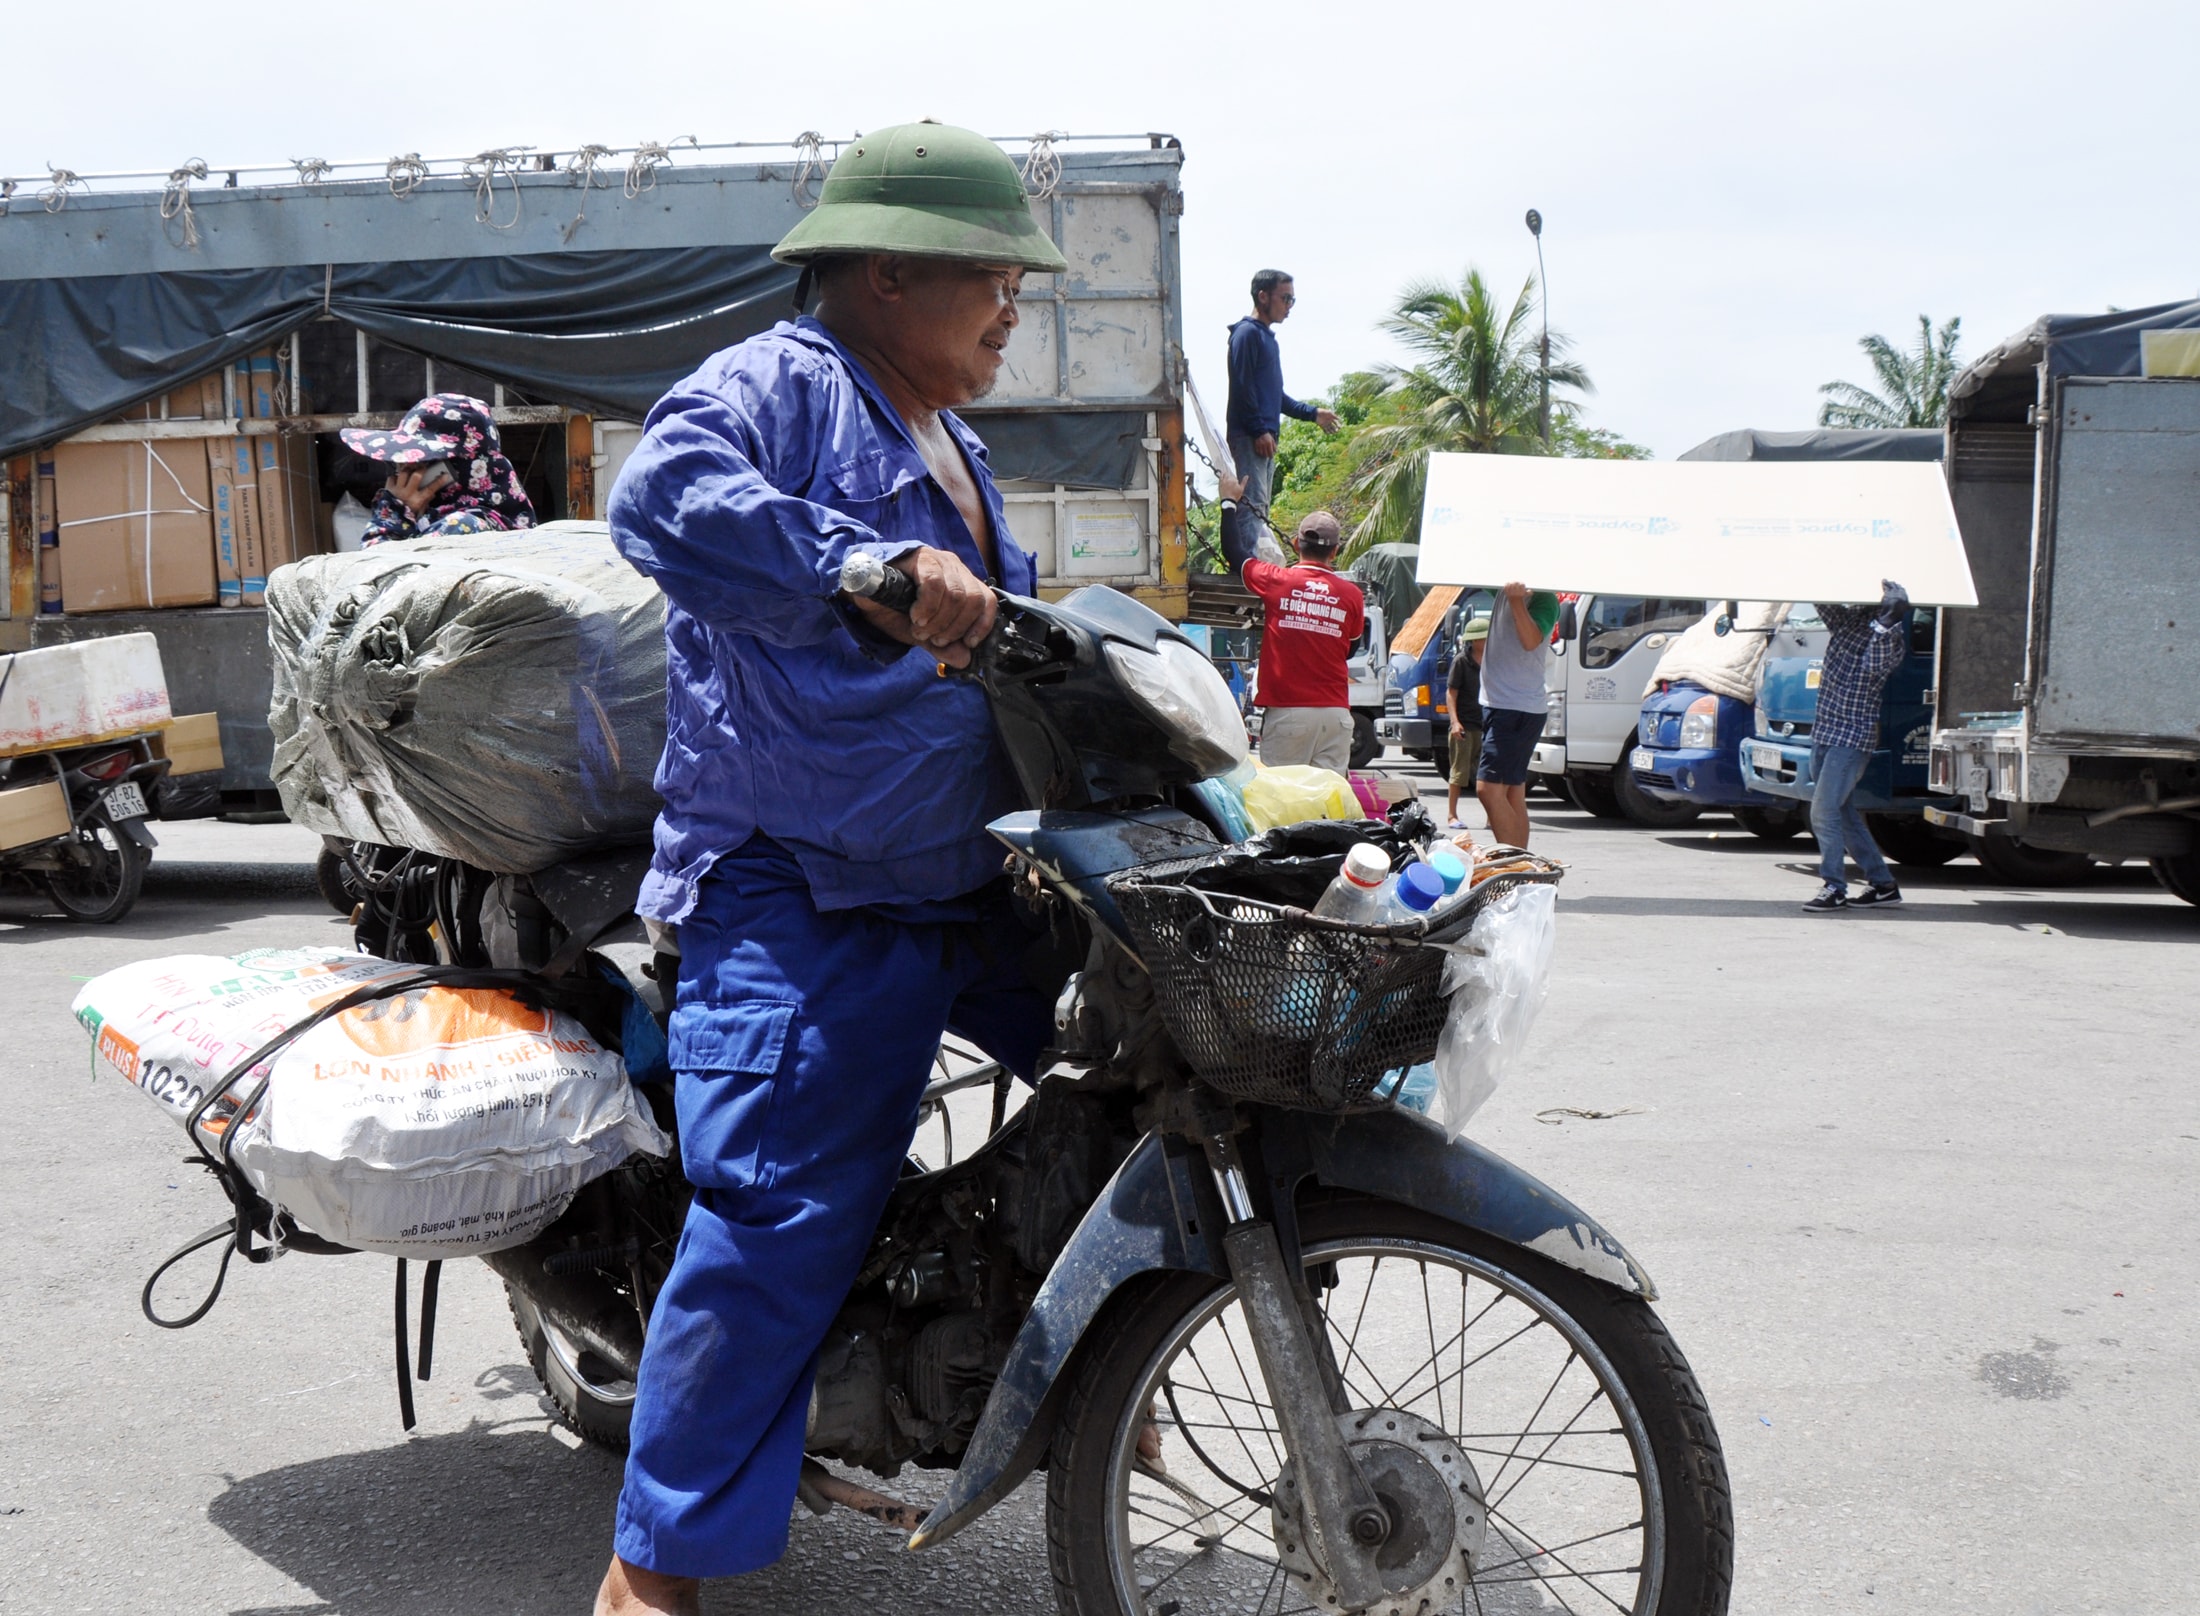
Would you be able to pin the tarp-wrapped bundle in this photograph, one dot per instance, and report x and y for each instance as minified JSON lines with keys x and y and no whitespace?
{"x":1724,"y":664}
{"x":498,"y":698}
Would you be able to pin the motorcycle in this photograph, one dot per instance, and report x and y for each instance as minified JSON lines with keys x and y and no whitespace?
{"x":95,"y":869}
{"x":1277,"y":1343}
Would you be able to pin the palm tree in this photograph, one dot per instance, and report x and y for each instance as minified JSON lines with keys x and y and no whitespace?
{"x":1474,"y":388}
{"x":1913,"y":386}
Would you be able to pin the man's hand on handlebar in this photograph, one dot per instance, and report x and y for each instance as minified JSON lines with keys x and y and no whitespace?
{"x":954,"y":609}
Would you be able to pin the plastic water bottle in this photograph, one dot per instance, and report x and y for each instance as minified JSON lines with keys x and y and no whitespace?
{"x":1358,"y":894}
{"x":1417,"y":889}
{"x":1414,"y":1087}
{"x":1444,"y":859}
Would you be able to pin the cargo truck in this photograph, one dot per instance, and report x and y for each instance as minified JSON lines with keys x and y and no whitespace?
{"x":2066,"y":717}
{"x":249,"y":324}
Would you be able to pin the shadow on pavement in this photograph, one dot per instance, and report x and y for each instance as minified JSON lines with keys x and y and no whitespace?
{"x":495,"y":1518}
{"x":2117,"y":921}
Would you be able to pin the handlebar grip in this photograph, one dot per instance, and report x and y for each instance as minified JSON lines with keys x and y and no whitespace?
{"x":865,"y":575}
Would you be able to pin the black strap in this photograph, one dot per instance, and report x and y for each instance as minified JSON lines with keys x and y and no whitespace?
{"x":404,"y":1355}
{"x":220,"y":1231}
{"x":430,"y":1281}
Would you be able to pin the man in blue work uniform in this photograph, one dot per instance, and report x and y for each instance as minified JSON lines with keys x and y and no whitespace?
{"x":1866,"y":645}
{"x":1258,"y":402}
{"x":822,"y":850}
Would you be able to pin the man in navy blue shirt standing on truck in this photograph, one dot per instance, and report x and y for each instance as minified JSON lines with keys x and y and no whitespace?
{"x":1258,"y":402}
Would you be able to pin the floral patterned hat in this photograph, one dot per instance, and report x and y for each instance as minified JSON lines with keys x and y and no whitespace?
{"x":447,"y":426}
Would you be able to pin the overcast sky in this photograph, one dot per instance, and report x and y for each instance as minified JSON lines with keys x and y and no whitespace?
{"x":1733,"y":194}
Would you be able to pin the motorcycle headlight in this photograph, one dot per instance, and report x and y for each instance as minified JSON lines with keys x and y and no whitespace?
{"x":1700,"y":724}
{"x":1180,"y":690}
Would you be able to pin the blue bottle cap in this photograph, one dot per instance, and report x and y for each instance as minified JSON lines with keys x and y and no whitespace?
{"x":1419,"y":887}
{"x":1450,"y":866}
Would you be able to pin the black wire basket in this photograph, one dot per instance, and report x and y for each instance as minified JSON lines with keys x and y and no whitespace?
{"x":1276,"y":1006}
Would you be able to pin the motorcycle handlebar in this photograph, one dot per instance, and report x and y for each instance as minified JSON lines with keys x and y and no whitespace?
{"x":865,"y":575}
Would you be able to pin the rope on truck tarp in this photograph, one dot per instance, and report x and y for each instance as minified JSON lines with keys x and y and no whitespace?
{"x":311,"y":170}
{"x":810,"y":147}
{"x":649,"y":156}
{"x":1043,"y":164}
{"x":582,"y":166}
{"x":56,"y":194}
{"x":7,"y":197}
{"x":483,"y":168}
{"x":175,"y":201}
{"x":405,"y":174}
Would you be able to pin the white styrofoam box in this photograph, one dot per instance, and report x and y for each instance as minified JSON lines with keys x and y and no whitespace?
{"x":88,"y":690}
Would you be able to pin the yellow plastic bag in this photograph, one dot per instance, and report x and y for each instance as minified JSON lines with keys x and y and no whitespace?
{"x":1293,"y":792}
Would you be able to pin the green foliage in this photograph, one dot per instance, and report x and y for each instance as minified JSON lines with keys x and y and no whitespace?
{"x":1574,"y":441}
{"x":1913,"y":386}
{"x":1314,"y":469}
{"x":1475,"y":387}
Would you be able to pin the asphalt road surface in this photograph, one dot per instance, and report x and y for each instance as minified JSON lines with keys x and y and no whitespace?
{"x":1917,"y":1189}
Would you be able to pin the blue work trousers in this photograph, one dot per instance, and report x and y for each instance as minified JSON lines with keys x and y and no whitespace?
{"x":1835,"y":819}
{"x":802,"y":1042}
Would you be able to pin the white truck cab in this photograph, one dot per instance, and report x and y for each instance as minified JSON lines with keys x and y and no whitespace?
{"x":1603,"y":654}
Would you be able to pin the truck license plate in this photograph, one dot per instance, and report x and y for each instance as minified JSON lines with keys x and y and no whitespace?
{"x":1764,"y":759}
{"x":125,"y":801}
{"x":1641,"y":762}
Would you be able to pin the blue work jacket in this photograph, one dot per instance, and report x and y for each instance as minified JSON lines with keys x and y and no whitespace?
{"x":1257,"y":398}
{"x":785,"y":713}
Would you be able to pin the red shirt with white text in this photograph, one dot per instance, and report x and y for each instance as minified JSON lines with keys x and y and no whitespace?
{"x":1312,"y":617}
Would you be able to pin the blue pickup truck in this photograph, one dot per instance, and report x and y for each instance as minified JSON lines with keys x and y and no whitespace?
{"x":1690,"y":739}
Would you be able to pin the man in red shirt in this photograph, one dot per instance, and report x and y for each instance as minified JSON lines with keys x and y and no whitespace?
{"x":1311,"y":617}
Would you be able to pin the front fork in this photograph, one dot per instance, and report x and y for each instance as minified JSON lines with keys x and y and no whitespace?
{"x":1345,"y":1520}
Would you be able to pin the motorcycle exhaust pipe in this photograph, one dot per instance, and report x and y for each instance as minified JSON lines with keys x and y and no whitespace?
{"x":588,"y":1312}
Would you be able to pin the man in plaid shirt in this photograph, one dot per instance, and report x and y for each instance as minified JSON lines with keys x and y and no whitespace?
{"x":1866,"y":645}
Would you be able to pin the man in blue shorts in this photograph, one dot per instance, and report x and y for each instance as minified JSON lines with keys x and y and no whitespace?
{"x":1513,"y":706}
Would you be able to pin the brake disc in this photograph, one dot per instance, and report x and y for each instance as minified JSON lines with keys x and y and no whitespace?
{"x":1430,"y":1491}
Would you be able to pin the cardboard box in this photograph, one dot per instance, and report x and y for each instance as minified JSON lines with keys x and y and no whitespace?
{"x":240,"y":572}
{"x":81,"y":692}
{"x":136,"y":525}
{"x":33,"y":814}
{"x":287,"y":498}
{"x":192,"y":744}
{"x":259,"y":380}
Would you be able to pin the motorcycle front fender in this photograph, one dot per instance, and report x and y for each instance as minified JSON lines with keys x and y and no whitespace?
{"x":1158,"y":1211}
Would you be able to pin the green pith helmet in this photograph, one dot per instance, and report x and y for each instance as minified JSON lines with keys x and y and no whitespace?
{"x":927,"y":189}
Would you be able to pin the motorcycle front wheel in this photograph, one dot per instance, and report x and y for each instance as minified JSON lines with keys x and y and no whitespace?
{"x":1548,"y":1447}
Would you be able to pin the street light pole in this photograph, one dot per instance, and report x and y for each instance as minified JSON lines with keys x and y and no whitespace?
{"x":1543,"y":300}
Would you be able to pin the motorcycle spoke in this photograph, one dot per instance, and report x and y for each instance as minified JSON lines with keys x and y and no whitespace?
{"x":1491,"y":1484}
{"x":1536,"y":1574}
{"x":1527,"y":1469}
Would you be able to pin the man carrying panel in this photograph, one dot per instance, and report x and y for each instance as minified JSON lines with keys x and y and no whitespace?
{"x":1866,"y":645}
{"x":1514,"y":706}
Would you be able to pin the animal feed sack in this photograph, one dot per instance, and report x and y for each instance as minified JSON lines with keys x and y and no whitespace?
{"x":439,"y":1122}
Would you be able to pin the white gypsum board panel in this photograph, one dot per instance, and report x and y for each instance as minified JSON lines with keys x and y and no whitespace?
{"x":1735,"y":530}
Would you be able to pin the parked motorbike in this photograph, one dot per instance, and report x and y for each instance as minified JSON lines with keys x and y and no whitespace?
{"x":96,"y":868}
{"x":1277,"y":1344}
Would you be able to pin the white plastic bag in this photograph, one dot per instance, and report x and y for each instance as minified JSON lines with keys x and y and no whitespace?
{"x":1497,"y":978}
{"x":439,"y":1122}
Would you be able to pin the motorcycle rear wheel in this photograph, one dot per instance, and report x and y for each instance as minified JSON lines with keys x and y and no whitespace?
{"x":103,"y":885}
{"x":1631,"y":1513}
{"x":591,"y":1396}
